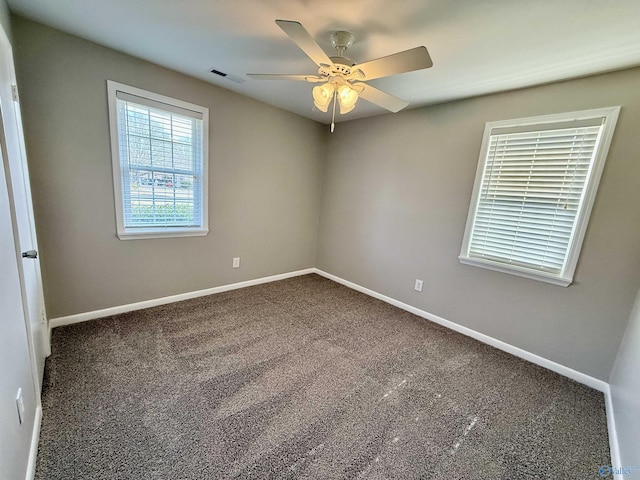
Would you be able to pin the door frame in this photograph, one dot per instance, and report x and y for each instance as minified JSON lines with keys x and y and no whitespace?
{"x":7,"y":51}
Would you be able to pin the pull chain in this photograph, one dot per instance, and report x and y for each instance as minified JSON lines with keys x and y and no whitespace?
{"x":333,"y":116}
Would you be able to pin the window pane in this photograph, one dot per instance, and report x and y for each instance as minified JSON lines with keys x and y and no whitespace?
{"x":161,"y":167}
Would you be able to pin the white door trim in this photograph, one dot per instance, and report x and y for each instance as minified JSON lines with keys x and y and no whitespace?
{"x":22,"y":213}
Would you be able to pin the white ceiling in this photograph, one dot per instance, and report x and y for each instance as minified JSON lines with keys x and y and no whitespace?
{"x":477,"y":47}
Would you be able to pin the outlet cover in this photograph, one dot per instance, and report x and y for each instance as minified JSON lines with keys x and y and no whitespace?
{"x":236,"y":262}
{"x":418,"y":285}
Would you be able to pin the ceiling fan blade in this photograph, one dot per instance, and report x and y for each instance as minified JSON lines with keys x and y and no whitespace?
{"x":407,"y":61}
{"x":305,"y":41}
{"x":276,"y":76}
{"x":380,"y":98}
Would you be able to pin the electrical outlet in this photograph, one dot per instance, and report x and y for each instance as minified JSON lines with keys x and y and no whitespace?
{"x":236,"y":262}
{"x":20,"y":405}
{"x":418,"y":285}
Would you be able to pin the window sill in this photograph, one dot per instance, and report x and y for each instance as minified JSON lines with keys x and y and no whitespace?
{"x":141,"y":234}
{"x":518,"y":271}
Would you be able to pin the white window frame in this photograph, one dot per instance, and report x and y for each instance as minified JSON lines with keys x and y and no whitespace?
{"x":565,"y":277}
{"x":135,"y":233}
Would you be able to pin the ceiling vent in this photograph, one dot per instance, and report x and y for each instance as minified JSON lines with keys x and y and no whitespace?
{"x":228,"y":76}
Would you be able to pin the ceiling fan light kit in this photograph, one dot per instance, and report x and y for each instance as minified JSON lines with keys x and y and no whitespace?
{"x":342,"y":79}
{"x":336,"y":88}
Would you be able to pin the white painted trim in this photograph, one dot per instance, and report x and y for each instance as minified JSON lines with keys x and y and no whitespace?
{"x":613,"y":434}
{"x":606,"y":117}
{"x":515,"y":270}
{"x":518,"y":352}
{"x":35,"y":439}
{"x":171,"y":104}
{"x":579,"y":377}
{"x":499,"y":344}
{"x":145,"y":234}
{"x":105,"y":312}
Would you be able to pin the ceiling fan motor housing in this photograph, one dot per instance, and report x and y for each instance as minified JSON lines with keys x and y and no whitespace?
{"x":342,"y":64}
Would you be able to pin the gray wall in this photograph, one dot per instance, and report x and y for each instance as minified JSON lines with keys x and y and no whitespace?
{"x":264,"y":180}
{"x":625,"y":391}
{"x":5,"y":18}
{"x":395,"y":200}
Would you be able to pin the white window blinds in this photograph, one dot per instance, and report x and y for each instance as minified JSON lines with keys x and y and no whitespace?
{"x":161,"y":165}
{"x":531,"y":194}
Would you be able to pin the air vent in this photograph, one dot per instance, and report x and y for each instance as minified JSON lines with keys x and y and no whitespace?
{"x":227,"y":76}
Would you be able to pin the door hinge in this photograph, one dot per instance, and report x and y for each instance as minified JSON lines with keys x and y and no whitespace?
{"x":14,"y":92}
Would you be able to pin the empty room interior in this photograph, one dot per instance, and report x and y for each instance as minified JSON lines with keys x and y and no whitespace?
{"x":320,"y":240}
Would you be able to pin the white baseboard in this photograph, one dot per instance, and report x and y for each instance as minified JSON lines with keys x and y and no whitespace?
{"x":105,"y":312}
{"x":579,"y":377}
{"x":499,"y":344}
{"x":494,"y":342}
{"x":35,"y":439}
{"x":613,"y":434}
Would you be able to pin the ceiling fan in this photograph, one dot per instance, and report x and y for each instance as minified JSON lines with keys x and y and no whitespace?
{"x":341,"y":78}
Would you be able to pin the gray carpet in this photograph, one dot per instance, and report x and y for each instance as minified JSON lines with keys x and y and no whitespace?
{"x":304,"y":378}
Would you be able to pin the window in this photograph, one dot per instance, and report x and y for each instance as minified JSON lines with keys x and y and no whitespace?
{"x":159,"y":151}
{"x":534,"y":189}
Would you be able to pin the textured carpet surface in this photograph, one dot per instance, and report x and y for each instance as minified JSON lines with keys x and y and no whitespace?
{"x":304,"y":378}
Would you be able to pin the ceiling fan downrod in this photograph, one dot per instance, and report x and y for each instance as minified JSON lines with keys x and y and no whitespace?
{"x":341,"y":41}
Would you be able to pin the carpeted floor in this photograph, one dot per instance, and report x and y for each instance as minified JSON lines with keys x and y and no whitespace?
{"x":304,"y":378}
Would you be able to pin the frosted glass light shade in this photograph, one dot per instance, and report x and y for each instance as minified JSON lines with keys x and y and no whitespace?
{"x":344,"y":110}
{"x":347,"y":97}
{"x":322,"y":95}
{"x":322,"y":108}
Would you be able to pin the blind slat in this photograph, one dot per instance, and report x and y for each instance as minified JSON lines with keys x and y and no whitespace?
{"x":531,"y":190}
{"x":161,"y":152}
